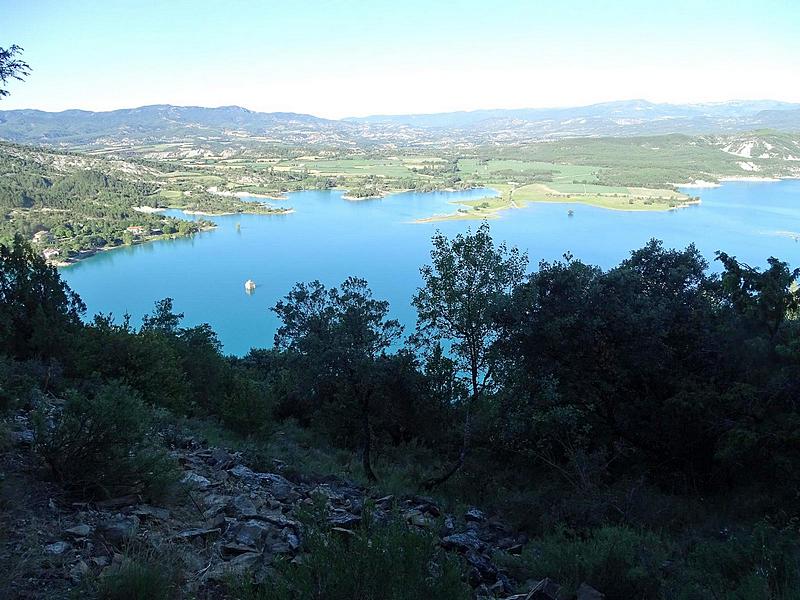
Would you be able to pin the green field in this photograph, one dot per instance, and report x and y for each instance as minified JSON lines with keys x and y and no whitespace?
{"x":628,"y":199}
{"x":613,"y":198}
{"x":354,"y":166}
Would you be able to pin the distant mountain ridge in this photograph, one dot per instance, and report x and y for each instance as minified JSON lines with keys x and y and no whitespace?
{"x":155,"y":121}
{"x":74,"y":128}
{"x":747,"y":112}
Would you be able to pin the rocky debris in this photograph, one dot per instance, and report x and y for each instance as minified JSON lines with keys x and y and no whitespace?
{"x":279,"y":520}
{"x":195,"y":480}
{"x":79,"y":531}
{"x":57,"y":548}
{"x":190,"y":534}
{"x":78,"y":571}
{"x":344,"y":519}
{"x":24,"y":437}
{"x":251,"y":533}
{"x":419,"y":519}
{"x":546,"y":589}
{"x":481,"y":569}
{"x":235,"y":520}
{"x":118,"y":530}
{"x":153,"y":512}
{"x":463,"y":543}
{"x":473,"y":515}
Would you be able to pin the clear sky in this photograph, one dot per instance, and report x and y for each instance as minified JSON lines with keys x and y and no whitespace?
{"x":338,"y":58}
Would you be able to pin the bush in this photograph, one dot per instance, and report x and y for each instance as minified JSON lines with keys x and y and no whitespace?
{"x":141,"y":575}
{"x":379,"y":561}
{"x":100,"y":445}
{"x":619,"y":561}
{"x":244,"y":407}
{"x":23,"y":381}
{"x":760,"y":565}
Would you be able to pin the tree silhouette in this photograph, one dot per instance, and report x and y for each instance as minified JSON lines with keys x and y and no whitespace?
{"x":11,"y":67}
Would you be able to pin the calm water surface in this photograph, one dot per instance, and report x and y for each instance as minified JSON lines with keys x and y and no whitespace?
{"x":328,"y":238}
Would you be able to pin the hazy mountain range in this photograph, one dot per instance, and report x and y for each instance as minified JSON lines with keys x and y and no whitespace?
{"x":151,"y":124}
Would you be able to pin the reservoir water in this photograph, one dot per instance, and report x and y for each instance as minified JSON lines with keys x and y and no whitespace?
{"x":329,"y":238}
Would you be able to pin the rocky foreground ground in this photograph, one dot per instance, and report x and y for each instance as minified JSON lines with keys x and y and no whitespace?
{"x":230,"y":520}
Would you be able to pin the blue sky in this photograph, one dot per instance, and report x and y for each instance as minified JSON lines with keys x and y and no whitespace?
{"x":338,"y":58}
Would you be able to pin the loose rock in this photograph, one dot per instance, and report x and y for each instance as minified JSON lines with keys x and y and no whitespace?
{"x":57,"y":548}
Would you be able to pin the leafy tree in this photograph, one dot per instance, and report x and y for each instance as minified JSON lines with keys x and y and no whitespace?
{"x":593,"y":358}
{"x":163,"y":320}
{"x":38,"y":311}
{"x":148,"y":362}
{"x":409,"y":403}
{"x":766,"y":297}
{"x":11,"y":67}
{"x":469,"y":279}
{"x":338,"y":334}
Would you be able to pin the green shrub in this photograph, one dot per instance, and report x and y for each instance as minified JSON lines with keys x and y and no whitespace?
{"x":141,"y":575}
{"x":379,"y":561}
{"x":620,"y":562}
{"x":23,"y":381}
{"x":244,"y":407}
{"x":760,"y":565}
{"x":100,"y":445}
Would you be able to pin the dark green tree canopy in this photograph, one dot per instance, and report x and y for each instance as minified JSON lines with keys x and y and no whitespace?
{"x":36,"y":307}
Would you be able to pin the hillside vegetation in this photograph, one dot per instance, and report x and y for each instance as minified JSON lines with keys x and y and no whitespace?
{"x":633,"y":430}
{"x":71,"y":205}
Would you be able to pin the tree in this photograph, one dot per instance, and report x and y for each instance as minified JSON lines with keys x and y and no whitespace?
{"x":337,"y":335}
{"x":766,"y":297}
{"x":11,"y":67}
{"x":38,"y":311}
{"x":163,"y":320}
{"x":464,"y":287}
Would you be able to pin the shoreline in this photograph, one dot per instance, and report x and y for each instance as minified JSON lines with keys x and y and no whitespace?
{"x":385,"y":193}
{"x":382,"y":194}
{"x":745,"y":178}
{"x":244,"y":194}
{"x":84,"y":254}
{"x":700,"y":183}
{"x":697,"y":184}
{"x":202,"y":213}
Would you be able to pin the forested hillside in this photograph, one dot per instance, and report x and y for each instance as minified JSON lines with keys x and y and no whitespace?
{"x":71,"y":205}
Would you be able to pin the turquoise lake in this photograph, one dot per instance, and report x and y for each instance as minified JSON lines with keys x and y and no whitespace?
{"x":329,"y":238}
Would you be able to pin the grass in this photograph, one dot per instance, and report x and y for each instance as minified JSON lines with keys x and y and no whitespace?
{"x":350,"y":166}
{"x":586,"y":188}
{"x":754,"y":563}
{"x":628,"y":199}
{"x":171,"y":195}
{"x":141,"y":574}
{"x":609,"y":197}
{"x":375,"y":562}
